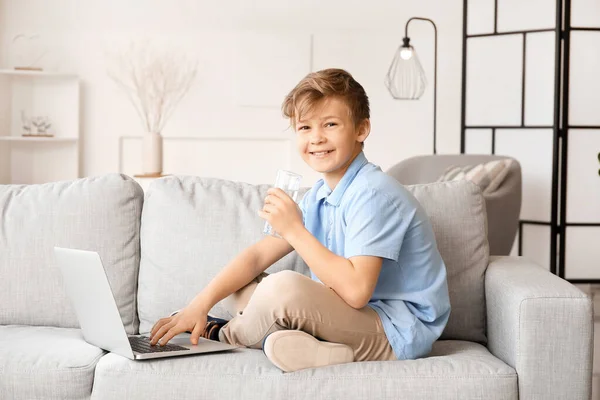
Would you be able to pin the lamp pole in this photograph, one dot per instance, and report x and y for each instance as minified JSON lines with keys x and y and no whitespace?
{"x":434,"y":74}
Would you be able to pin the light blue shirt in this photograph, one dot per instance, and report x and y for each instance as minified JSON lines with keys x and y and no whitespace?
{"x":371,"y":214}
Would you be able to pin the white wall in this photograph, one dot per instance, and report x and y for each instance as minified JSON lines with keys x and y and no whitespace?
{"x":244,"y":47}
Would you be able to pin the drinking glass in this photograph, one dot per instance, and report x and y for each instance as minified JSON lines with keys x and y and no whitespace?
{"x":289,"y":182}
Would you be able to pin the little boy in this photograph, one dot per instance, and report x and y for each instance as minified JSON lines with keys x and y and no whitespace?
{"x":378,"y":289}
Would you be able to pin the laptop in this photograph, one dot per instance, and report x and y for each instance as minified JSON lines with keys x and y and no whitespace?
{"x":89,"y":291}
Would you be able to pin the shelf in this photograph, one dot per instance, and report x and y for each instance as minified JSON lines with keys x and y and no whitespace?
{"x":39,"y":159}
{"x":36,"y":139}
{"x":47,"y":74}
{"x":150,"y":176}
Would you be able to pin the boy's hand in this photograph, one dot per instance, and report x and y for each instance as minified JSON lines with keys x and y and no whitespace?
{"x":281,"y":211}
{"x":188,"y":319}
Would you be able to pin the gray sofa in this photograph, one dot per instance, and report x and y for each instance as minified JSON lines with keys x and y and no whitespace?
{"x":516,"y":331}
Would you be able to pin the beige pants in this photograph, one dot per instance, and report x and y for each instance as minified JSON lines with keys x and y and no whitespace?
{"x":289,"y":300}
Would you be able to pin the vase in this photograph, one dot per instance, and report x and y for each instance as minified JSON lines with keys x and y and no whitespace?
{"x":152,"y":150}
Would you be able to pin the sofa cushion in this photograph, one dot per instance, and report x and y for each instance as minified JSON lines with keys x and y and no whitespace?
{"x":454,"y":370}
{"x":457,"y":213}
{"x":99,"y":213}
{"x":46,"y":363}
{"x":191,"y":228}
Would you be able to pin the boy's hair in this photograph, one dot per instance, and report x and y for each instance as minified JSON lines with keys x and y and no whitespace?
{"x":325,"y":83}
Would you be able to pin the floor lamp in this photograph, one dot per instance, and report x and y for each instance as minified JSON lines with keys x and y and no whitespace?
{"x":406,"y":79}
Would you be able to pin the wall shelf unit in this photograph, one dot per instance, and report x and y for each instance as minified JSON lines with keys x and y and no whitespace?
{"x":29,"y":160}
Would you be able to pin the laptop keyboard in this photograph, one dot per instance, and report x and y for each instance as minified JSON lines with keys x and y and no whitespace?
{"x":141,"y":344}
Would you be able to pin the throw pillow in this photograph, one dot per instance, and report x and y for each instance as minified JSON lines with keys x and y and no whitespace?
{"x":488,"y":176}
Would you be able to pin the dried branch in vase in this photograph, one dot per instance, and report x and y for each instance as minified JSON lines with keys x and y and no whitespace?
{"x":154,"y":80}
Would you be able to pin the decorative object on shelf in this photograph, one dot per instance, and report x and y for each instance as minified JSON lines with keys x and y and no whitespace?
{"x":154,"y":81}
{"x":27,"y":52}
{"x":152,"y":149}
{"x":36,"y":126}
{"x":599,"y":162}
{"x":406,"y":78}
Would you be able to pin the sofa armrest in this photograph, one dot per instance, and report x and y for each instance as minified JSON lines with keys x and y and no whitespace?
{"x":542,"y":326}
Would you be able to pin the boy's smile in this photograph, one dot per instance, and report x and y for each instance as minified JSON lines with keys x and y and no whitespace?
{"x":328,"y":140}
{"x":321,"y":154}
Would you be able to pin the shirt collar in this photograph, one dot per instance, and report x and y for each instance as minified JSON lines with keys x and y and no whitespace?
{"x":334,"y":197}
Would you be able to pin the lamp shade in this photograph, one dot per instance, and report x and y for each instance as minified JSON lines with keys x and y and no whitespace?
{"x":406,"y":78}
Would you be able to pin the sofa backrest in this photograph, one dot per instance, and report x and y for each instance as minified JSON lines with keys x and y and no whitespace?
{"x":101,"y":214}
{"x":192,"y":227}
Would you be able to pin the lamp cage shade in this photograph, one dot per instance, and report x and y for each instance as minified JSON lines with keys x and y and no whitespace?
{"x":406,"y":78}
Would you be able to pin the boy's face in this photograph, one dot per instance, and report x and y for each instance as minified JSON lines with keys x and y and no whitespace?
{"x":328,"y":140}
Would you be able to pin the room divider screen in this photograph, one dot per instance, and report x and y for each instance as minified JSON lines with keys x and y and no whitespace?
{"x":531,"y":90}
